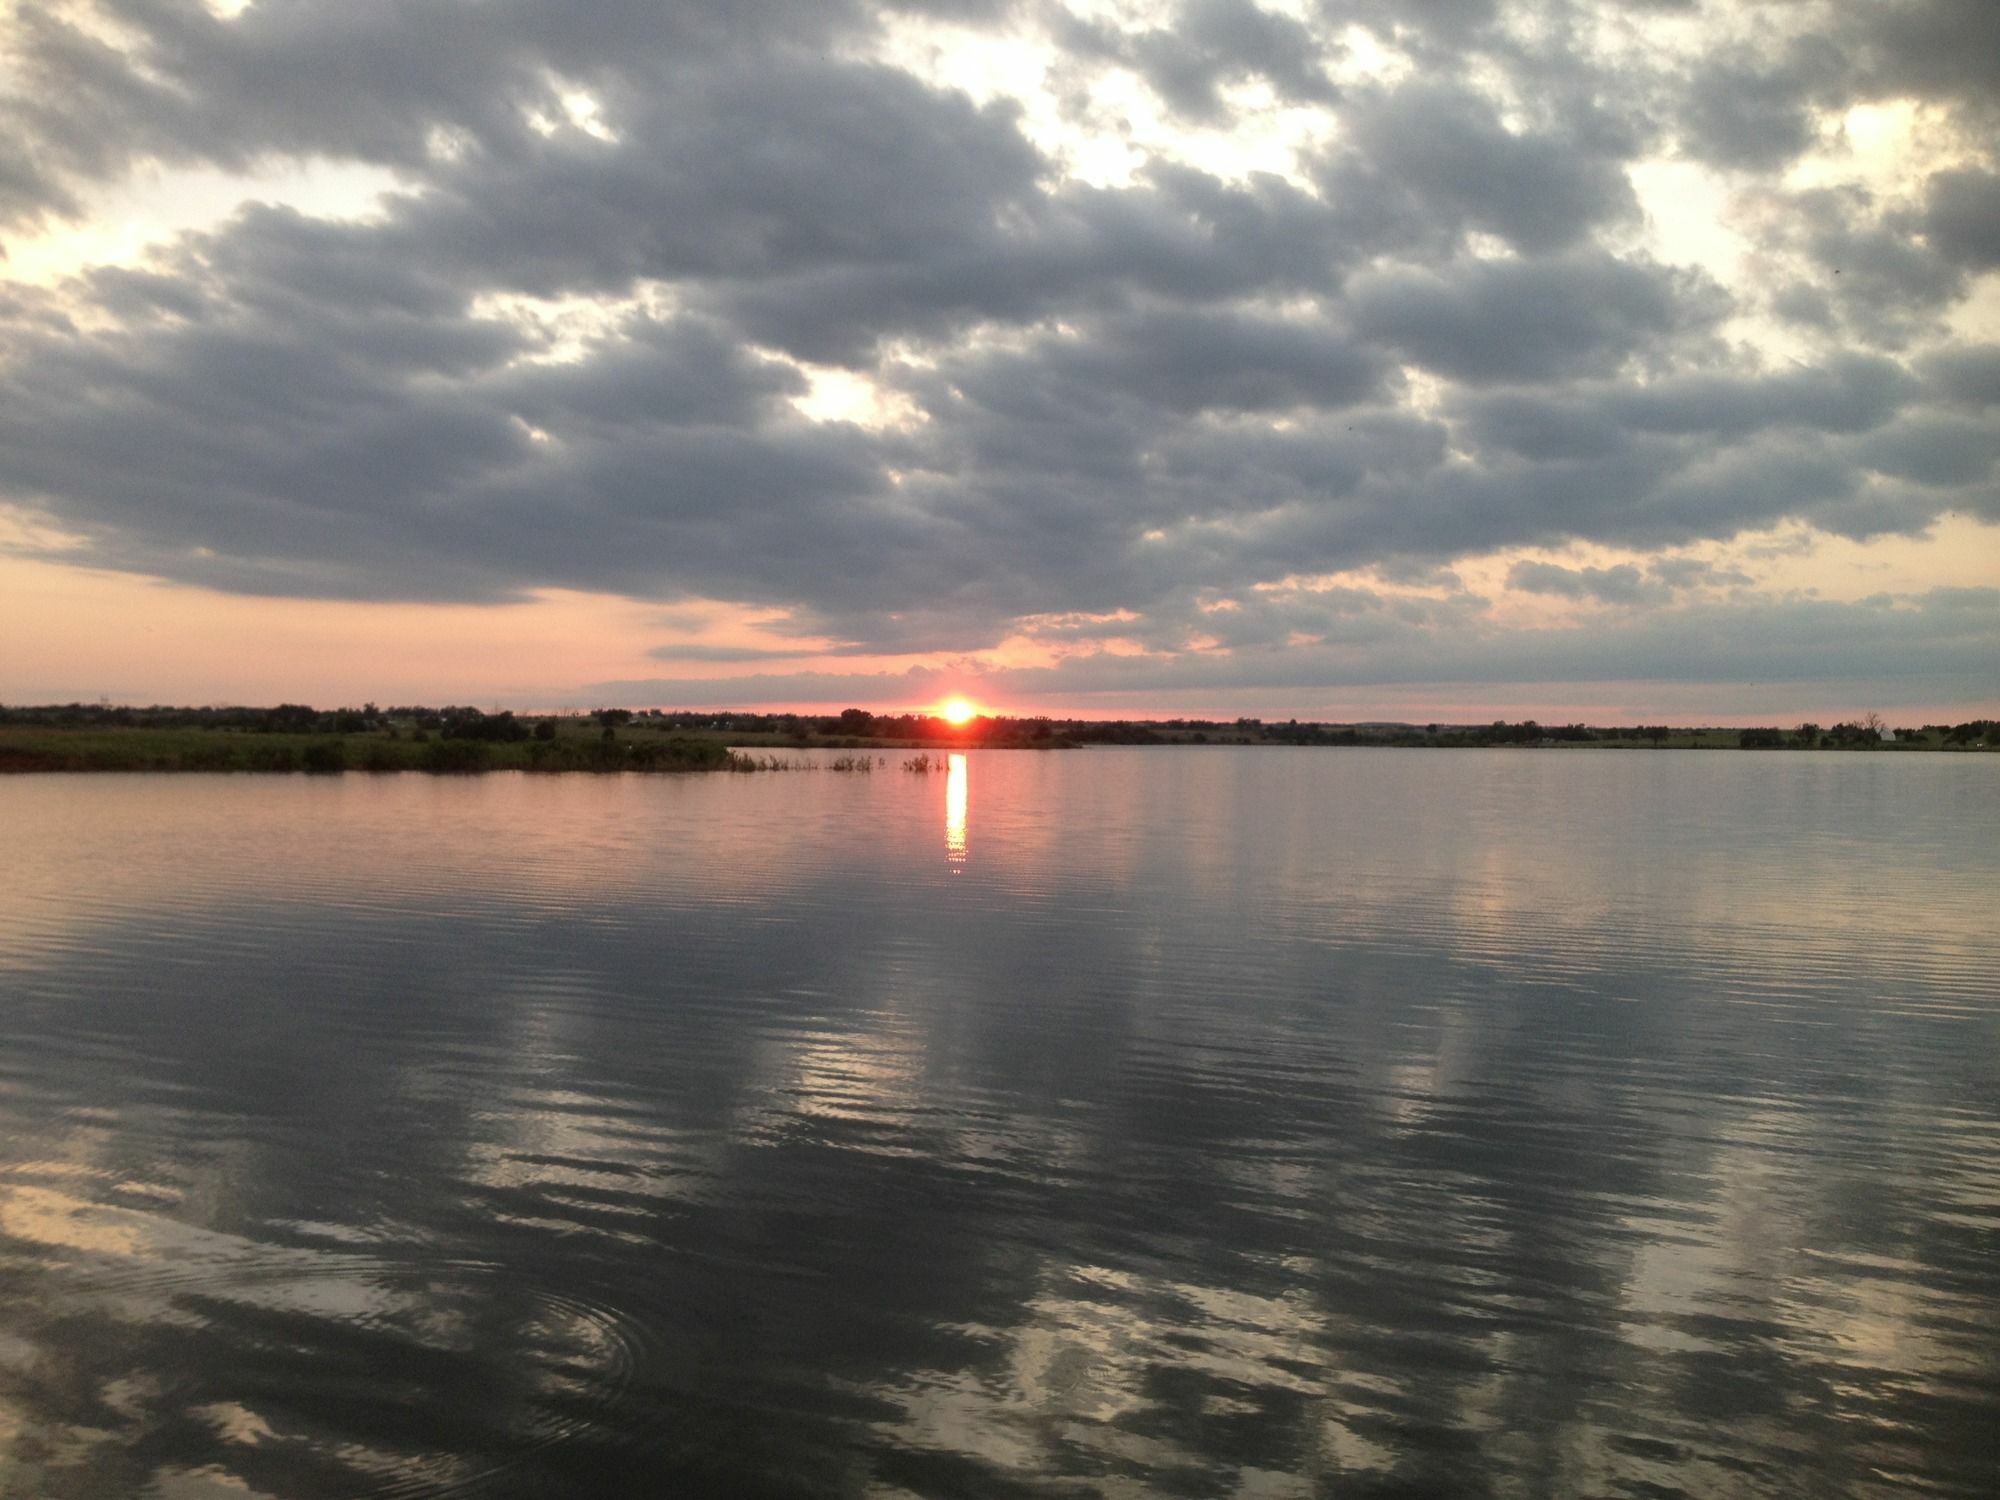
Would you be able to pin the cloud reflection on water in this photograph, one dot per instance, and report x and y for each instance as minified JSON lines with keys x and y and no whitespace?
{"x":1404,"y":1123}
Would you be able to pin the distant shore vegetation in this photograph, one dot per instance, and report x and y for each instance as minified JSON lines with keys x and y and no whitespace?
{"x":294,"y":737}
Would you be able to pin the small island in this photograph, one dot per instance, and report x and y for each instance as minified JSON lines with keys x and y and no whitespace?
{"x":460,"y":740}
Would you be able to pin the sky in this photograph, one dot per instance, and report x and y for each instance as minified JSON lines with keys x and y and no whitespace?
{"x":1607,"y":360}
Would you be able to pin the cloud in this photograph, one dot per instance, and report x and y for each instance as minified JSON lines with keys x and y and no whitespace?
{"x":1695,"y":572}
{"x":1427,"y":163}
{"x":1756,"y":113}
{"x":1849,"y":393}
{"x":1944,"y":634}
{"x":1943,"y":50}
{"x":1962,"y":218}
{"x":375,"y":83}
{"x":1969,"y":373}
{"x":1941,"y":451}
{"x":1203,"y":46}
{"x":1938,"y":641}
{"x":703,"y":651}
{"x":1106,"y":364}
{"x":1623,"y":584}
{"x":1483,"y":321}
{"x":888,"y":690}
{"x":1877,"y":275}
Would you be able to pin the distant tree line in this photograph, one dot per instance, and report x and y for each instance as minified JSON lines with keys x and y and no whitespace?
{"x":463,"y":725}
{"x":285,"y":718}
{"x":1867,"y":732}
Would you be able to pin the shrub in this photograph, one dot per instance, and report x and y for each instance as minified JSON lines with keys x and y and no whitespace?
{"x":455,"y":757}
{"x":327,"y":758}
{"x":207,"y":758}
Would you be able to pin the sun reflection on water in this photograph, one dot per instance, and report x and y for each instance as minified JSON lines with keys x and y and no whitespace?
{"x":954,"y":811}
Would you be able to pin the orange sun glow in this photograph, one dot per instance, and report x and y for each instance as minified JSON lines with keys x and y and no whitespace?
{"x":957,"y":710}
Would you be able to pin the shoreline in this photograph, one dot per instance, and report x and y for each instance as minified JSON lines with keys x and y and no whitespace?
{"x":295,"y":738}
{"x":43,"y":751}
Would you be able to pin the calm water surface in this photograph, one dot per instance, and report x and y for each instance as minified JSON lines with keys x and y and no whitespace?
{"x":1204,"y":1122}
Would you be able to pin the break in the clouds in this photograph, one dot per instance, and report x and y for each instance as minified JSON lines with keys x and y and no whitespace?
{"x":1098,"y":347}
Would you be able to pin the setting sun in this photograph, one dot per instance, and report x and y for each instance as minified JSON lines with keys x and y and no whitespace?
{"x":957,"y":710}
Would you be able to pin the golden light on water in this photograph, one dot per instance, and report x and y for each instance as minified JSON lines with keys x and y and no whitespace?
{"x":955,"y":805}
{"x":958,"y":710}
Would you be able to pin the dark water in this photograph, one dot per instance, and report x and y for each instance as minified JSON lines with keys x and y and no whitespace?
{"x":1245,"y":1123}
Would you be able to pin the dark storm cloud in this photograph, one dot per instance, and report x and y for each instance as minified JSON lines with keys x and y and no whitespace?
{"x":1439,"y":340}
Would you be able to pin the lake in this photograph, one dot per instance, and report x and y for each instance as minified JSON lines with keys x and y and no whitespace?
{"x":1250,"y":1123}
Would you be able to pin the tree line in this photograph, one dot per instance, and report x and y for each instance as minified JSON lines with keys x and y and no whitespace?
{"x":467,"y":724}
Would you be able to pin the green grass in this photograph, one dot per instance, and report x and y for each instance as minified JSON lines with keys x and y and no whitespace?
{"x":574,"y":749}
{"x":579,"y":745}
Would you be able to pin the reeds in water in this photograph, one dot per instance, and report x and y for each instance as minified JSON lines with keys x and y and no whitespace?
{"x":853,"y":764}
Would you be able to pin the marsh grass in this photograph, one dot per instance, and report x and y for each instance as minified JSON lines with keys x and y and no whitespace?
{"x":40,"y":748}
{"x":851,"y":764}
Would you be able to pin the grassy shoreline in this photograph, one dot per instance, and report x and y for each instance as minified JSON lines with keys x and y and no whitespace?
{"x":235,"y":750}
{"x":573,"y":745}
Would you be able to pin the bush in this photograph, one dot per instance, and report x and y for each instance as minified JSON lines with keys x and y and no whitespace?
{"x":471,"y":724}
{"x":327,"y":758}
{"x":456,"y":757}
{"x":207,"y":758}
